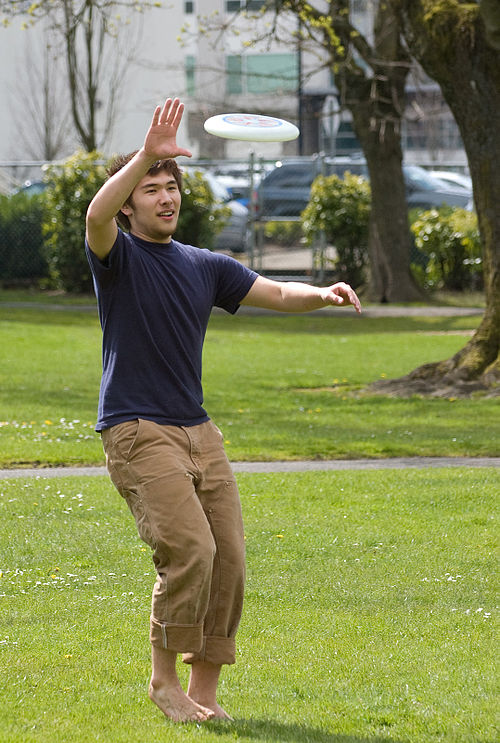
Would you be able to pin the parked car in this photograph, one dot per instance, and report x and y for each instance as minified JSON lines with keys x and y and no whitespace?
{"x":284,"y":192}
{"x":453,"y":179}
{"x":425,"y":191}
{"x":234,"y":235}
{"x":238,"y":188}
{"x":236,"y":178}
{"x":31,"y":187}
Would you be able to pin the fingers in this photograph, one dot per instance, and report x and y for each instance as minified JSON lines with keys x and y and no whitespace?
{"x":160,"y":140}
{"x":171,"y":113}
{"x":178,"y":115}
{"x":353,"y":299}
{"x":345,"y":294}
{"x":165,"y":111}
{"x":156,"y":116}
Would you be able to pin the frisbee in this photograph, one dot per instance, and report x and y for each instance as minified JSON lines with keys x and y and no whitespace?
{"x":251,"y":128}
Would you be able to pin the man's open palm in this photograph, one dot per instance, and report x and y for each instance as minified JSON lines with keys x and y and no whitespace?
{"x":161,"y":139}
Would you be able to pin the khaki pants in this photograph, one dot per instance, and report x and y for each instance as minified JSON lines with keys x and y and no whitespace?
{"x":180,"y":488}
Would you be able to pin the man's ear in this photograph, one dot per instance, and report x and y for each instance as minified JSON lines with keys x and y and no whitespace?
{"x":126,"y":209}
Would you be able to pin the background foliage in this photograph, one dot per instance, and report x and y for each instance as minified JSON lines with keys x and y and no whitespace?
{"x":201,"y":217}
{"x":450,"y":239}
{"x":42,"y":234}
{"x":71,"y":187}
{"x":21,"y":237}
{"x":341,"y":208}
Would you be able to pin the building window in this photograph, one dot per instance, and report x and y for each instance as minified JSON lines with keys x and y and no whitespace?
{"x":189,"y":71}
{"x":261,"y":73}
{"x":188,"y":7}
{"x":235,"y":5}
{"x":234,"y":77}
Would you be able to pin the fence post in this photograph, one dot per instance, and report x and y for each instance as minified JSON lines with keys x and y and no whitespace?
{"x":256,"y":242}
{"x":252,"y":212}
{"x":319,"y":244}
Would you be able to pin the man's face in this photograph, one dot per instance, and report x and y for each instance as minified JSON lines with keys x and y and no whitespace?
{"x":153,"y":208}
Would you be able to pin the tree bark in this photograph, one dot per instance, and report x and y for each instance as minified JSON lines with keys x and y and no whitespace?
{"x":389,"y":239}
{"x":449,"y":40}
{"x":377,"y":102}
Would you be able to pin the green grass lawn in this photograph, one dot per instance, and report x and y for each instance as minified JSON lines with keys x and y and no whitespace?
{"x":279,"y":387}
{"x":369,"y":617}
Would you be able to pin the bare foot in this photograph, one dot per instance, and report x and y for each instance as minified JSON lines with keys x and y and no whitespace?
{"x":176,"y":705}
{"x":220,"y":714}
{"x":202,"y":687}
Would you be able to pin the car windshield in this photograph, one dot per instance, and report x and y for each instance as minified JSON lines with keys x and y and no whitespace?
{"x":292,"y":175}
{"x":420,"y":179}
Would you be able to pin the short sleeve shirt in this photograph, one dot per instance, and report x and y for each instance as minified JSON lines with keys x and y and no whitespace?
{"x":154,"y":303}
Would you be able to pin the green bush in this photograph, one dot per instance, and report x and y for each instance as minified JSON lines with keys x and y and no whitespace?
{"x":341,"y":208}
{"x":202,"y":216}
{"x":21,"y":242}
{"x":449,"y":237}
{"x":283,"y":233}
{"x":71,"y":187}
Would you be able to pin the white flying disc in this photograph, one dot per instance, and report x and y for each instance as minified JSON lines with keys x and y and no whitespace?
{"x":251,"y":128}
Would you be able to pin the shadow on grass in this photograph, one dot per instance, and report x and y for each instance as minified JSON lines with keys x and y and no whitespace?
{"x":333,"y":324}
{"x":281,"y":732}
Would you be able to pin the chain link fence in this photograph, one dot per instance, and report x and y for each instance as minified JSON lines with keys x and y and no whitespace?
{"x":269,"y":244}
{"x":264,"y":230}
{"x":22,"y":261}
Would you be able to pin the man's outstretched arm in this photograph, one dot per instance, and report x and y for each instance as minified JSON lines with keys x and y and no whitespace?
{"x":160,"y":144}
{"x":293,"y":296}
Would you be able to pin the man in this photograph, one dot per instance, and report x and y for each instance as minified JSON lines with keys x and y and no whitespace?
{"x":163,"y":453}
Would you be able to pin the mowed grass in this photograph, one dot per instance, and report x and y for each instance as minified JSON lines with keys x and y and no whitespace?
{"x":279,"y":387}
{"x":369,"y":616}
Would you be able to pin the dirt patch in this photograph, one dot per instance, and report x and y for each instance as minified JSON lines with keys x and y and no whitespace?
{"x":449,"y":386}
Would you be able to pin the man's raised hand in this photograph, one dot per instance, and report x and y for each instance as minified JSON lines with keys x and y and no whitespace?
{"x":161,"y":139}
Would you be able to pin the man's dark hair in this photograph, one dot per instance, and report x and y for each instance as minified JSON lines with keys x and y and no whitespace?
{"x":169,"y":166}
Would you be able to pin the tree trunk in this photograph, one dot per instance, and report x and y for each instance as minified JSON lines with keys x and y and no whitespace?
{"x":370,"y":78}
{"x":450,"y":43}
{"x":389,"y":239}
{"x":377,"y":102}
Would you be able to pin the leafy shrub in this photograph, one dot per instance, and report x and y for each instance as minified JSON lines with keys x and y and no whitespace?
{"x":283,"y":233}
{"x":71,"y":187}
{"x":202,"y":216}
{"x":21,"y":242}
{"x":449,"y":237}
{"x":341,"y":208}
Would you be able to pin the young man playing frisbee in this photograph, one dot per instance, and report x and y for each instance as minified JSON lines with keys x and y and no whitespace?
{"x":163,"y":453}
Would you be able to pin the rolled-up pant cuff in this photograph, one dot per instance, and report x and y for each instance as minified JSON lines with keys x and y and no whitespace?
{"x":179,"y":637}
{"x":217,"y":650}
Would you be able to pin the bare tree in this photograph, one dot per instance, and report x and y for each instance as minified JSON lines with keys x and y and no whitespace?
{"x":40,"y":106}
{"x":97,"y":45}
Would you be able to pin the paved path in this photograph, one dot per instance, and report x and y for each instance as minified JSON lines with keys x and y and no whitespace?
{"x":294,"y":466}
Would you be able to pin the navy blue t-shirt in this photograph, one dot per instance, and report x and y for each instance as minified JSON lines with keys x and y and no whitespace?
{"x":154,"y":304}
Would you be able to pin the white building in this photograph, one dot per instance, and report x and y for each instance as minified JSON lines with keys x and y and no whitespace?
{"x":212,"y":72}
